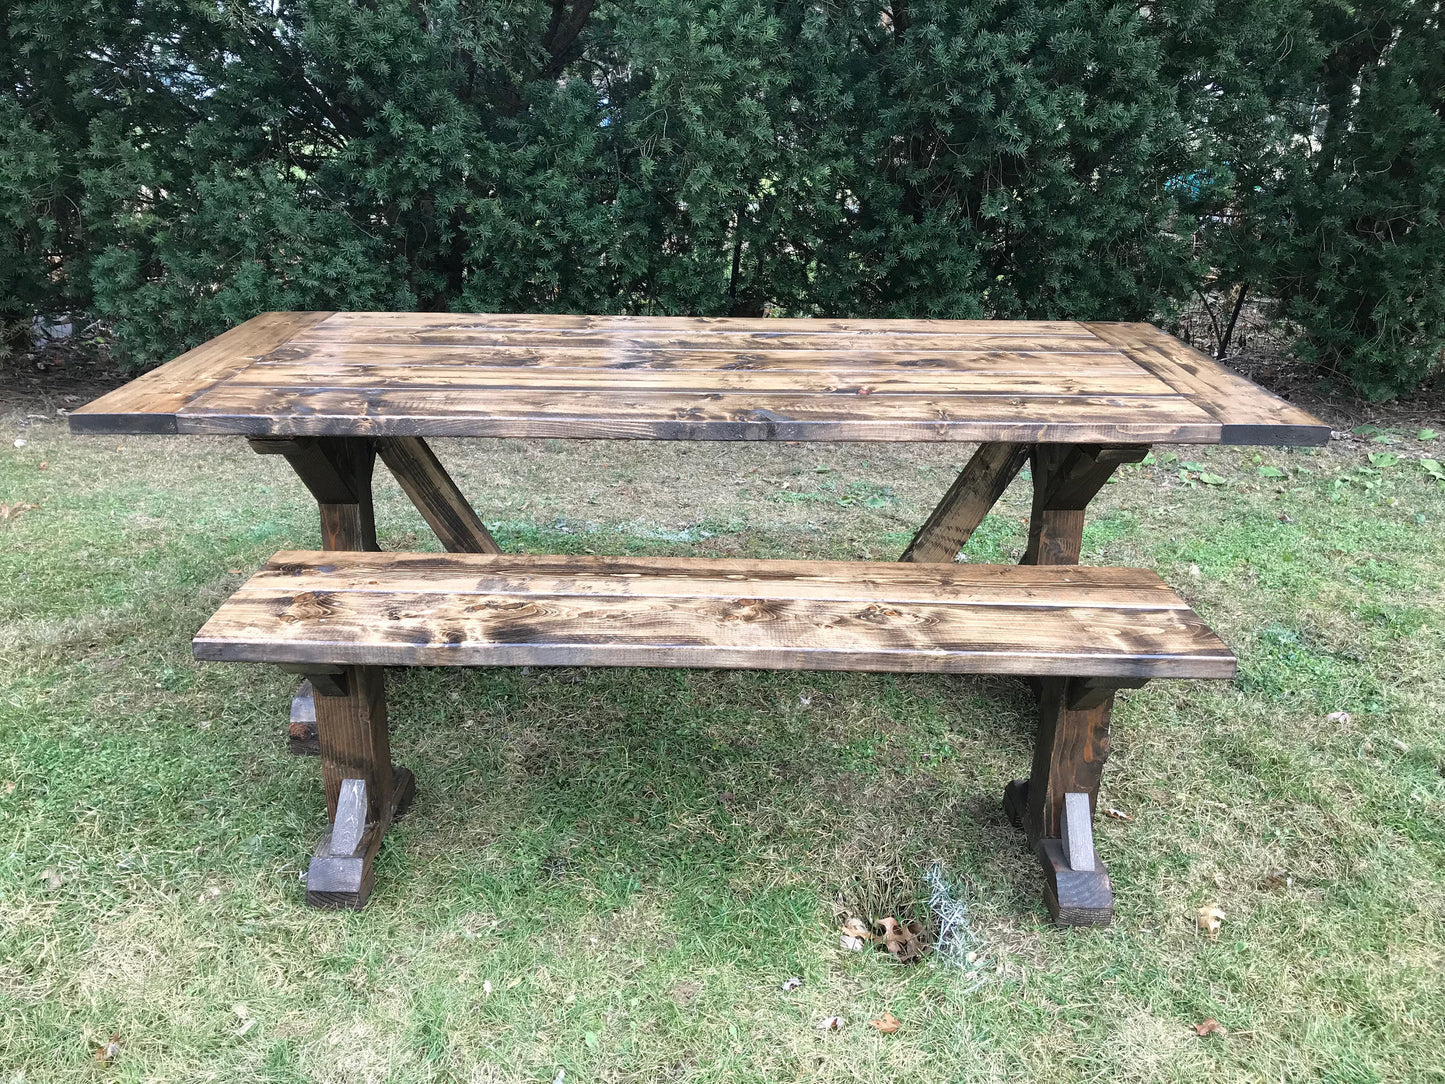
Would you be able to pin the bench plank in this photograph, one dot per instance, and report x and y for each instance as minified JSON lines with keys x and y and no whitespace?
{"x":485,"y":610}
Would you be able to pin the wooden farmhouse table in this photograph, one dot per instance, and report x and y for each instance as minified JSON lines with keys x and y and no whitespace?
{"x":332,"y":391}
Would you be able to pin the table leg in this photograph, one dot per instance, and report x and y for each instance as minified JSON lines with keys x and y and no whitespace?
{"x":1066,"y":478}
{"x":337,"y":471}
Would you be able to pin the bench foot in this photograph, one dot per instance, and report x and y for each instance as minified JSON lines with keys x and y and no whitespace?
{"x":1074,"y":897}
{"x":342,"y":872}
{"x":1055,"y":805}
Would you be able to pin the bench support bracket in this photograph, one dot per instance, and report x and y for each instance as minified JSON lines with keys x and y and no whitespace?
{"x":1066,"y":478}
{"x":1055,"y":805}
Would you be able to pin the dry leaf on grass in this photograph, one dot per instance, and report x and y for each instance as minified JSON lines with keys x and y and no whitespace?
{"x":904,"y":943}
{"x":1210,"y":1026}
{"x":15,"y":511}
{"x":1210,"y":919}
{"x":52,"y":879}
{"x":1338,"y":717}
{"x":789,"y":985}
{"x":887,"y":1023}
{"x":105,"y":1052}
{"x":210,"y":895}
{"x":1118,"y":814}
{"x":830,"y":1023}
{"x":854,"y":934}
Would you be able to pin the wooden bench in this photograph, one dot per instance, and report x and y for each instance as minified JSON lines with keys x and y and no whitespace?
{"x":339,"y":617}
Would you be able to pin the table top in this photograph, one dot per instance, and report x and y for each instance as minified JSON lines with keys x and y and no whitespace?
{"x":689,"y":378}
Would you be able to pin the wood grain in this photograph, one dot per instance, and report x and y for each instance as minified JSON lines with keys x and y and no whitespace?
{"x":436,"y":496}
{"x":148,"y":404}
{"x":402,"y":621}
{"x":683,"y":416}
{"x":977,"y":489}
{"x":1248,"y":413}
{"x":682,"y":378}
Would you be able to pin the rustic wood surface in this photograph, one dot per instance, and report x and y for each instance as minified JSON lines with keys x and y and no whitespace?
{"x":486,"y":610}
{"x":681,"y":378}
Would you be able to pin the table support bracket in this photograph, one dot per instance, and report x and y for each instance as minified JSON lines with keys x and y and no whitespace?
{"x":1066,"y":478}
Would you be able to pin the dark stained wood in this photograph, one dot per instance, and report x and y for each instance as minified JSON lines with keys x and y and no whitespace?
{"x":354,"y":739}
{"x":435,"y":495}
{"x":1069,"y":756}
{"x":301,"y":738}
{"x":305,"y":608}
{"x":693,"y":416}
{"x":976,"y":490}
{"x":674,"y":378}
{"x":1066,"y":478}
{"x":1248,"y":413}
{"x":148,"y":404}
{"x":337,"y":471}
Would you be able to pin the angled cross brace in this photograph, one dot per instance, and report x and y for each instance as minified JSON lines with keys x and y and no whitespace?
{"x":977,"y":489}
{"x":1055,"y":805}
{"x":436,"y":496}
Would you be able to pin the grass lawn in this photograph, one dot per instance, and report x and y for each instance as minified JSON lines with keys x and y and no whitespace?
{"x":610,"y":873}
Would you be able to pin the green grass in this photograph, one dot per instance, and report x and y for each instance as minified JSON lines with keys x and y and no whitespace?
{"x":611,"y":872}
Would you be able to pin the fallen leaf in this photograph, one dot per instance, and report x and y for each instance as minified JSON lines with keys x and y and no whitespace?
{"x":107,"y":1051}
{"x":52,"y":879}
{"x":7,"y":787}
{"x":1118,"y":814}
{"x":1210,"y":919}
{"x":561,"y":1076}
{"x":1338,"y":717}
{"x":1210,"y":1026}
{"x":44,"y":465}
{"x":903,"y":942}
{"x":1276,"y":879}
{"x":887,"y":1023}
{"x":14,"y":511}
{"x":829,"y":1023}
{"x":19,"y":442}
{"x":210,"y":895}
{"x":854,"y":934}
{"x":789,"y":985}
{"x":486,"y":987}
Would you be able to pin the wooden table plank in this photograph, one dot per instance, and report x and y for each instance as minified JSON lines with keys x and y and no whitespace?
{"x":683,"y":416}
{"x":148,"y":404}
{"x":1248,"y":414}
{"x":334,"y":618}
{"x":674,"y":378}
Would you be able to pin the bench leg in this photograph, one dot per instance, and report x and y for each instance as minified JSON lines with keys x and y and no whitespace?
{"x":1055,"y":805}
{"x":365,"y":792}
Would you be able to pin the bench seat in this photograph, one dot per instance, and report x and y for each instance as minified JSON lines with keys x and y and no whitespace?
{"x":464,"y":609}
{"x":339,"y":617}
